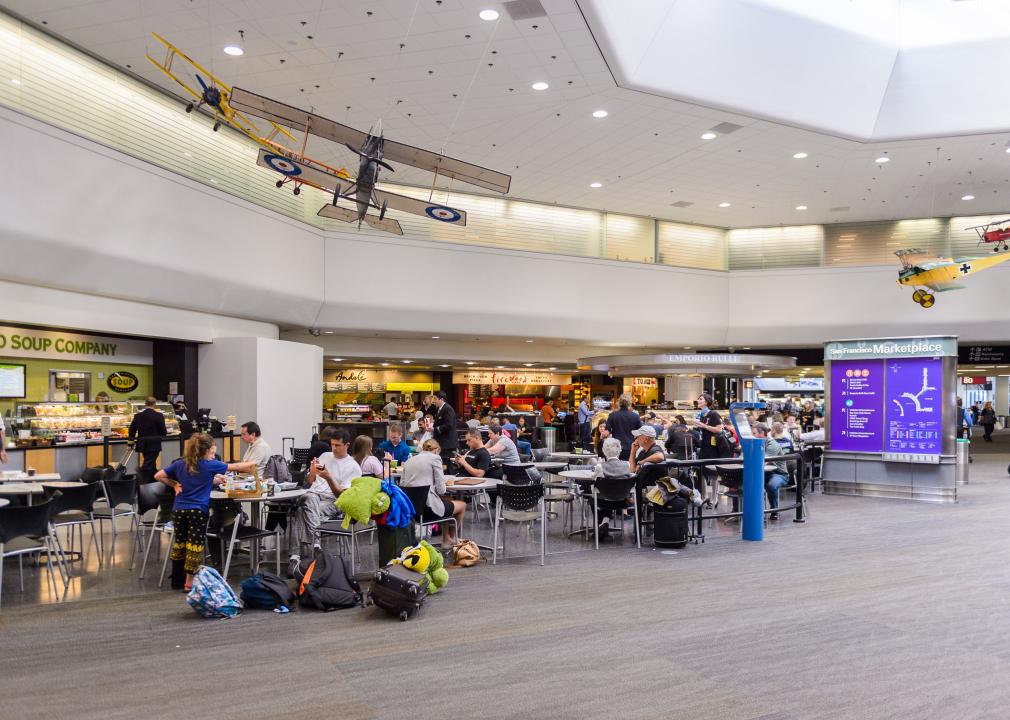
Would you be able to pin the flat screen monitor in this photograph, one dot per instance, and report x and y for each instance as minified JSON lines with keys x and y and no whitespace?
{"x":12,"y":381}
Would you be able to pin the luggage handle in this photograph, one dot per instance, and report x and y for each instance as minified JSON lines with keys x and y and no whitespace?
{"x":284,"y":441}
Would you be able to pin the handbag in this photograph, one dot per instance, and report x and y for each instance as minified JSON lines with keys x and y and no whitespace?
{"x":466,"y":553}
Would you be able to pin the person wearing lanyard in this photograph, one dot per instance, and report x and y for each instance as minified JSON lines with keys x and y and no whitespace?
{"x":585,"y":419}
{"x":709,"y":422}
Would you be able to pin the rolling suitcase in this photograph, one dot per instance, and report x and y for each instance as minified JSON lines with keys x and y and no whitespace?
{"x":398,"y":590}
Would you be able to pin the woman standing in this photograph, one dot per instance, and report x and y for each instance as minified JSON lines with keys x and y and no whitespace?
{"x":192,"y":477}
{"x":987,"y":419}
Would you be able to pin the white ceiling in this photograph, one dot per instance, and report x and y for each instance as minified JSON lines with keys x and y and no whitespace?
{"x":647,"y":152}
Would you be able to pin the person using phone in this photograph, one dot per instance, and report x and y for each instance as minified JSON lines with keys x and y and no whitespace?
{"x":477,"y":460}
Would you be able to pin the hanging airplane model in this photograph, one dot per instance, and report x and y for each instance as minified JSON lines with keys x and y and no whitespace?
{"x":210,"y":92}
{"x":939,"y":274}
{"x":373,"y":151}
{"x":998,"y":235}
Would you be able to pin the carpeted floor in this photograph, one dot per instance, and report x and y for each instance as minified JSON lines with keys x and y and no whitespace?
{"x":874,"y":609}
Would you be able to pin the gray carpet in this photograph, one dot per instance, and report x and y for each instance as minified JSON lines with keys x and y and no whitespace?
{"x":874,"y":609}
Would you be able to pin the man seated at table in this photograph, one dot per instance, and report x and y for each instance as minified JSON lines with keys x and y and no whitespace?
{"x":500,"y":446}
{"x":778,"y":478}
{"x":814,"y":436}
{"x":395,"y":448}
{"x":477,"y":460}
{"x":611,"y":467}
{"x":645,"y":449}
{"x":328,"y":476}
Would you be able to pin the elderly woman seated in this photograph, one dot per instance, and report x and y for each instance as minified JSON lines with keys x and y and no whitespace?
{"x":425,"y":470}
{"x":611,"y":467}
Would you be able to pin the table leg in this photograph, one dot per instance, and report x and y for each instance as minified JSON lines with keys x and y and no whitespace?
{"x":255,"y":549}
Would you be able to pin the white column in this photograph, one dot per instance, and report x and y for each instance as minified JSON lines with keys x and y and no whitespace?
{"x":1002,"y":402}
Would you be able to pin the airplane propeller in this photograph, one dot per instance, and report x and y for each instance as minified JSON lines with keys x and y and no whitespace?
{"x":369,"y":157}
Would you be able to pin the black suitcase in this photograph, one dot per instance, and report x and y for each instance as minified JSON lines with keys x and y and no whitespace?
{"x":398,"y":590}
{"x":392,"y":541}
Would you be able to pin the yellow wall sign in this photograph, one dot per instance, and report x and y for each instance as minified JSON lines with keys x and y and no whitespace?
{"x":122,"y":381}
{"x":56,"y":345}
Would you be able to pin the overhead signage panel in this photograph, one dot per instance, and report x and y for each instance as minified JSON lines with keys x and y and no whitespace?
{"x":55,"y":345}
{"x":509,"y":377}
{"x":857,"y":405}
{"x":939,"y":346}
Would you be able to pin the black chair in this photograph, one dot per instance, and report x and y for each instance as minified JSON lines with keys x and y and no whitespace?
{"x":151,"y":496}
{"x":541,"y":455}
{"x":300,"y":458}
{"x":612,"y":493}
{"x":522,"y":473}
{"x":32,"y":523}
{"x":118,"y":493}
{"x":237,"y":533}
{"x":74,"y":507}
{"x":419,"y":499}
{"x":520,"y":503}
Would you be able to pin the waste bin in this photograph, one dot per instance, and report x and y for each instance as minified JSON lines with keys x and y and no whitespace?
{"x":962,"y":459}
{"x":548,"y":436}
{"x":669,"y":528}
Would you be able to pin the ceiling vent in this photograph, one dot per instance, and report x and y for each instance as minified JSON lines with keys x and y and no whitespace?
{"x":524,"y":9}
{"x":681,"y":204}
{"x":840,"y":208}
{"x":726,"y":128}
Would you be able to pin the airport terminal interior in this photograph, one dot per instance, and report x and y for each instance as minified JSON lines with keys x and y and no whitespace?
{"x":504,"y":359}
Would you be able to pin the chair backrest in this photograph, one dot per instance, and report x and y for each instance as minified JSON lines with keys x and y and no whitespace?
{"x":30,"y":521}
{"x":121,"y":492}
{"x":93,"y":474}
{"x":649,"y":473}
{"x":71,"y":498}
{"x":150,"y":495}
{"x":518,"y":473}
{"x":541,"y":454}
{"x":520,"y":497}
{"x":300,"y":456}
{"x":615,"y":488}
{"x":418,"y":498}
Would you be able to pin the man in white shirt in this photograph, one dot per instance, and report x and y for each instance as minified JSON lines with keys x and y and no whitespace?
{"x":814,"y":436}
{"x":257,"y":450}
{"x":328,"y":476}
{"x":391,"y":409}
{"x":3,"y":442}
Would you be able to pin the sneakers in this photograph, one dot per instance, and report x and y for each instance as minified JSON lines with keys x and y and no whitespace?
{"x":604,"y":528}
{"x":773,"y":516}
{"x":293,"y":562}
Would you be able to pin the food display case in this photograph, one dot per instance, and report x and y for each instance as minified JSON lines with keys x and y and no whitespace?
{"x":60,"y":423}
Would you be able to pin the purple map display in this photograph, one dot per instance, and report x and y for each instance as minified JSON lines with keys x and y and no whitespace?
{"x":914,"y":411}
{"x":857,"y":405}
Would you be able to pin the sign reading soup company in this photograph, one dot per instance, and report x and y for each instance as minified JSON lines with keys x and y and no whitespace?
{"x":55,"y":345}
{"x":509,"y":377}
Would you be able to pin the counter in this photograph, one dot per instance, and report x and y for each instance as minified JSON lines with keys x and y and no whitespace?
{"x":375,"y":430}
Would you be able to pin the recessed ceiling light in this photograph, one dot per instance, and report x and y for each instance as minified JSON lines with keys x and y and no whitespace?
{"x":488,"y":15}
{"x":15,"y":81}
{"x":801,"y":207}
{"x":528,"y":364}
{"x":468,"y":362}
{"x":327,"y":332}
{"x":384,"y":364}
{"x":499,"y":367}
{"x":709,"y":136}
{"x":187,"y":154}
{"x":596,"y":185}
{"x":687,"y":347}
{"x":407,"y":362}
{"x":436,"y":337}
{"x":723,"y":204}
{"x":443,"y":366}
{"x":233,"y":50}
{"x":552,"y":368}
{"x":599,"y":113}
{"x":336,"y":359}
{"x":969,"y":196}
{"x":800,"y":155}
{"x":1008,"y":149}
{"x":882,"y":159}
{"x":540,"y":85}
{"x":529,"y":341}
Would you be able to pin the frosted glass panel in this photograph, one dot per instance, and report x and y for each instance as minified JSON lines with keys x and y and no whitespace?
{"x":694,"y":246}
{"x":792,"y":246}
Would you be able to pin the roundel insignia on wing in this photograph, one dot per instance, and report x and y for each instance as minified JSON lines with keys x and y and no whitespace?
{"x":440,"y":212}
{"x":282,"y":165}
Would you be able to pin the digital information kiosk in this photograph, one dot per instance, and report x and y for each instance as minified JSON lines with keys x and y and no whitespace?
{"x":890,"y":417}
{"x":753,"y":527}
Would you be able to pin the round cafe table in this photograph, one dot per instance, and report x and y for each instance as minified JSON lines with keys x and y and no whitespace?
{"x":30,"y":490}
{"x":23,"y":477}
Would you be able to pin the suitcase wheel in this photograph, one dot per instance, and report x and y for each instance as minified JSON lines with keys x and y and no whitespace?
{"x":380,"y":577}
{"x":413,"y":591}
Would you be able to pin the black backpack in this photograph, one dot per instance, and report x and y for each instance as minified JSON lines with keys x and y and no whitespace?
{"x":267,"y":591}
{"x":327,"y":583}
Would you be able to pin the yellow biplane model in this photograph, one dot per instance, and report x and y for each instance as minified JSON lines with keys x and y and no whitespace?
{"x":215,"y":95}
{"x":938,"y":274}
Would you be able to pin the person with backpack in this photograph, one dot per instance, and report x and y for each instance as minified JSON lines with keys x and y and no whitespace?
{"x":987,"y":419}
{"x":193,"y":476}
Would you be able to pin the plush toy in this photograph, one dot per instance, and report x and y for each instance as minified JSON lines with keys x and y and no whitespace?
{"x":356,"y":501}
{"x":425,"y":559}
{"x":380,"y":503}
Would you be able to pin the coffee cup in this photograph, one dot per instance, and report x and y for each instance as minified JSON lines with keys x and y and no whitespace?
{"x":31,"y":472}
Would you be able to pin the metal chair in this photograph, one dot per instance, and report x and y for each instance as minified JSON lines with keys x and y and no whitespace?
{"x":300,"y":457}
{"x":31,"y":522}
{"x":612,"y":494}
{"x":73,"y":507}
{"x":419,"y":499}
{"x":118,"y":493}
{"x":236,"y":534}
{"x":520,"y":503}
{"x":150,"y":497}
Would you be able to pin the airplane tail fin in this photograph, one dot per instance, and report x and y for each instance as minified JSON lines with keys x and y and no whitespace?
{"x":386,"y":224}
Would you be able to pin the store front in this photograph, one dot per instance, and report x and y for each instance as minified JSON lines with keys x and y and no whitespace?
{"x":524,"y":391}
{"x":354,"y":398}
{"x":64,"y":394}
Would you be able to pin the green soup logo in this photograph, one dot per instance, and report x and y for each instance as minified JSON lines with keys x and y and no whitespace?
{"x":122,"y":381}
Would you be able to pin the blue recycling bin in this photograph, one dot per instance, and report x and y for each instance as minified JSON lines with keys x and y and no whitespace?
{"x":753,"y":471}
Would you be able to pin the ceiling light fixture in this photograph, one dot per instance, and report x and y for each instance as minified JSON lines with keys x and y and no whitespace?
{"x":529,"y":341}
{"x":723,"y":204}
{"x":969,"y":196}
{"x":552,"y":368}
{"x":406,"y":362}
{"x":384,"y":364}
{"x":499,"y":367}
{"x":336,"y":359}
{"x":599,"y":113}
{"x":541,"y":85}
{"x":528,"y":364}
{"x":801,"y":207}
{"x":882,"y":159}
{"x":443,"y":366}
{"x":15,"y":81}
{"x":488,"y":15}
{"x":595,"y":185}
{"x":436,"y":337}
{"x":800,"y":155}
{"x":233,"y":50}
{"x":468,"y":362}
{"x":327,"y":332}
{"x":709,"y":136}
{"x":1008,"y":149}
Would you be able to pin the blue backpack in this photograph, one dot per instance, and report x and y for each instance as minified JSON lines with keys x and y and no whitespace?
{"x":267,"y":591}
{"x":211,"y":596}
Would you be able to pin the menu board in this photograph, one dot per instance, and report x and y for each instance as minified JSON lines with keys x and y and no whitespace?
{"x":12,"y":381}
{"x":857,"y":405}
{"x":914,"y":408}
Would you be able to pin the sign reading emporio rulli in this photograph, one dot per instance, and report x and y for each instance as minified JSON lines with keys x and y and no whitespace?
{"x":857,"y":405}
{"x":914,"y":412}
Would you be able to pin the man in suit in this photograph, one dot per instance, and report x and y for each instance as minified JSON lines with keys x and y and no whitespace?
{"x":444,"y":432}
{"x":149,"y":426}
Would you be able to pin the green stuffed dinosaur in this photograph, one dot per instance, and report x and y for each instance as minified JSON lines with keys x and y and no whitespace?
{"x":359,"y":501}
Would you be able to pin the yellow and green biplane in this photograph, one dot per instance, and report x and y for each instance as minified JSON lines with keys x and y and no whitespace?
{"x":928,"y":274}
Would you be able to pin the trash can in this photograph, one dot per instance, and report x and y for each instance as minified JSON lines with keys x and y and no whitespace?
{"x":548,"y":433}
{"x":962,"y":459}
{"x":669,"y":528}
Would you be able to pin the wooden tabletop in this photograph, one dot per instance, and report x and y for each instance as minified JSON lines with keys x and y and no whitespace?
{"x":485,"y":484}
{"x":282,"y":495}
